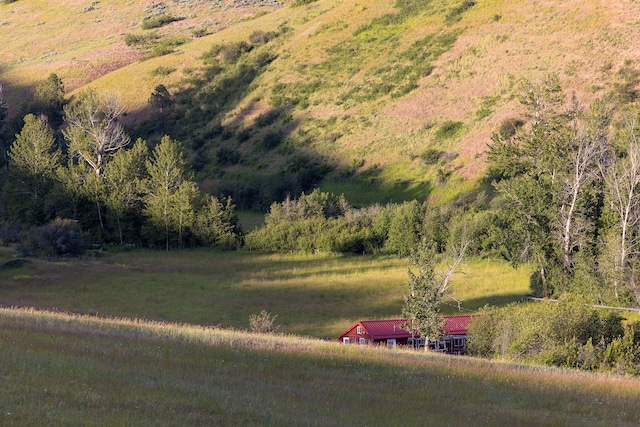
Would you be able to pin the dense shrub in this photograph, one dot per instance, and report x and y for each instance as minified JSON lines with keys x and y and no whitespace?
{"x":61,"y":237}
{"x":9,"y":232}
{"x":157,"y":21}
{"x":261,"y":37}
{"x":233,"y":51}
{"x":566,"y":333}
{"x":297,"y":3}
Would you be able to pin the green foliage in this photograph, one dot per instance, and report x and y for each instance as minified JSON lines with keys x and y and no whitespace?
{"x":124,"y":179}
{"x":449,"y":130}
{"x":233,"y":51}
{"x":169,"y":195}
{"x":49,"y":99}
{"x":34,"y":157}
{"x":431,"y":156}
{"x":405,"y":228}
{"x":162,"y":71}
{"x":297,"y":3}
{"x":157,"y":21}
{"x":553,"y":189}
{"x":454,"y":15}
{"x":165,"y":47}
{"x":140,"y":40}
{"x":316,"y":222}
{"x":262,"y":37}
{"x":624,"y":89}
{"x":216,"y":224}
{"x":423,"y":297}
{"x":567,"y":333}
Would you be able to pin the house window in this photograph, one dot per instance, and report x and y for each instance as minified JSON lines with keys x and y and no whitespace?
{"x":391,"y":342}
{"x":345,"y":340}
{"x":359,"y":330}
{"x":458,"y":342}
{"x":362,"y":341}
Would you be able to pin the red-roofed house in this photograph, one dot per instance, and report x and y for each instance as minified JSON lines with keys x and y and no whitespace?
{"x":390,"y":332}
{"x":387,"y":332}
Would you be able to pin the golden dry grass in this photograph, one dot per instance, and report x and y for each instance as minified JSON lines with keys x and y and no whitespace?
{"x":63,"y":369}
{"x":500,"y":43}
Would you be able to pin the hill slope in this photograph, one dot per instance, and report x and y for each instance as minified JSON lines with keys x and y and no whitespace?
{"x":397,"y":99}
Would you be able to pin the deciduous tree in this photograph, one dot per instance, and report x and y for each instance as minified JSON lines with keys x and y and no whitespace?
{"x":94,"y":133}
{"x":426,"y":289}
{"x":124,"y":177}
{"x":35,"y":157}
{"x":169,"y":194}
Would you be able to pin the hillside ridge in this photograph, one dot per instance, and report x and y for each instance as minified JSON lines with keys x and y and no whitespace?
{"x":371,"y":89}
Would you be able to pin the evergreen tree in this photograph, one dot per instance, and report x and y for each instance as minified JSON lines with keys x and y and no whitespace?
{"x":162,"y":102}
{"x":216,"y":224}
{"x":49,"y":99}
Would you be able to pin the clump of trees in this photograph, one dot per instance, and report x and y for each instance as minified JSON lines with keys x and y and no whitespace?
{"x":324,"y":222}
{"x":568,"y":196}
{"x":90,"y":175}
{"x":567,"y":333}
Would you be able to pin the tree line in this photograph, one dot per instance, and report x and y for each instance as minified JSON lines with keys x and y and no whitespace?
{"x":89,"y":171}
{"x":568,"y":195}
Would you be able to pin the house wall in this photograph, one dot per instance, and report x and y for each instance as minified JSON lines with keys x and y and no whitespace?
{"x":354,"y":336}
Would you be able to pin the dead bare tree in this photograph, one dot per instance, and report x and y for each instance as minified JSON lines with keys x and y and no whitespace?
{"x":622,"y":183}
{"x":93,"y":131}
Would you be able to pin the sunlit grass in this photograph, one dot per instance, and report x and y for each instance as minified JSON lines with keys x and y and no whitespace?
{"x":60,"y":369}
{"x":316,"y":295}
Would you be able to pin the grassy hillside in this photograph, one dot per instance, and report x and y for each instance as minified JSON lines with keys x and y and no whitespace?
{"x":397,"y":98}
{"x":314,"y":295}
{"x":70,"y":370}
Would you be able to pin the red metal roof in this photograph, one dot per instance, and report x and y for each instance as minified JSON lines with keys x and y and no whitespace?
{"x":383,"y":329}
{"x":457,"y":325}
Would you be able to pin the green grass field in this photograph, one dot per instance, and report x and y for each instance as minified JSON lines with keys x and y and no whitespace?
{"x":315,"y":295}
{"x":70,"y":370}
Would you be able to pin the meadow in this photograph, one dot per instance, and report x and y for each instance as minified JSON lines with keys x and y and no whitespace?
{"x":316,"y":295}
{"x":59,"y":369}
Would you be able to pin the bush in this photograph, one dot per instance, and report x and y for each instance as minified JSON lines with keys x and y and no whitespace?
{"x":431,"y":156}
{"x":9,"y":232}
{"x":297,"y":3}
{"x":263,"y":323}
{"x":565,"y":333}
{"x":61,"y":237}
{"x":157,"y":21}
{"x":262,"y":37}
{"x":233,"y":51}
{"x":449,"y":130}
{"x":509,"y":127}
